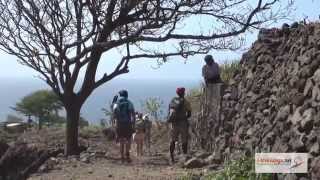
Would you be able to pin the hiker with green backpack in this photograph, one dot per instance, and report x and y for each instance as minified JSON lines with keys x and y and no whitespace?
{"x":179,"y":112}
{"x":125,"y":119}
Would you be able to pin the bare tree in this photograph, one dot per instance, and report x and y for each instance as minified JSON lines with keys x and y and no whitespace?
{"x":60,"y":38}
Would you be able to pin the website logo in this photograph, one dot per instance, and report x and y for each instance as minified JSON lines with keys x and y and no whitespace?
{"x":281,"y":162}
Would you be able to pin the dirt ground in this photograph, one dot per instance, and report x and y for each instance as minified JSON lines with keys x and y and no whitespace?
{"x":155,"y":167}
{"x":104,"y":163}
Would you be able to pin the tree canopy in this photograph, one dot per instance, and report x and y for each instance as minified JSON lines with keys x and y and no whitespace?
{"x":61,"y":38}
{"x":154,"y":106}
{"x":42,"y":104}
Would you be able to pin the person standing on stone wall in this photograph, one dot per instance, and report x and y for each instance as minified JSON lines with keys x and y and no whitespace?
{"x":211,"y":71}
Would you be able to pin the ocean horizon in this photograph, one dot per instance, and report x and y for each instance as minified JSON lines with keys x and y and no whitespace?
{"x":12,"y":90}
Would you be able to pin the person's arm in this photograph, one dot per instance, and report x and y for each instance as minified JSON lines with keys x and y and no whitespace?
{"x":204,"y":74}
{"x":115,"y":110}
{"x":203,"y":71}
{"x":169,"y":120}
{"x":115,"y":98}
{"x":219,"y":76}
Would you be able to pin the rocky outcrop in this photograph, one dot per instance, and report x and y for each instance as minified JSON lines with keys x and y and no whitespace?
{"x":273,"y":103}
{"x":20,"y":160}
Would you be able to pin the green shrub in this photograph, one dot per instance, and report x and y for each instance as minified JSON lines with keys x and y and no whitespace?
{"x":90,"y":131}
{"x":195,"y":92}
{"x":242,"y":169}
{"x":154,"y":106}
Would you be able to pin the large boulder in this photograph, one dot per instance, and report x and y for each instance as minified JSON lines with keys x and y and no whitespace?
{"x":21,"y":159}
{"x":194,"y":163}
{"x":16,"y":159}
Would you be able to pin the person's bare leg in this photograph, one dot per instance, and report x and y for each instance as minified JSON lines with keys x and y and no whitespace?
{"x":128,"y":146}
{"x":141,"y":147}
{"x":137,"y":145}
{"x":147,"y":142}
{"x":122,"y":150}
{"x":138,"y":148}
{"x":172,"y":148}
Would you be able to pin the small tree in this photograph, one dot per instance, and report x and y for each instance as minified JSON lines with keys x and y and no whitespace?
{"x":153,"y":106}
{"x":61,"y":38}
{"x":42,"y":104}
{"x":83,"y":122}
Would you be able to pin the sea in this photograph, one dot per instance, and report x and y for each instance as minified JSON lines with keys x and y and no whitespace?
{"x":12,"y":90}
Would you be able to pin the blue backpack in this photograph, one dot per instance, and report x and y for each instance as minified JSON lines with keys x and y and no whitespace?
{"x":122,"y":111}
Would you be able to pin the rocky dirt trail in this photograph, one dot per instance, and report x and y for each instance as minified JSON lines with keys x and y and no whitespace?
{"x":102,"y":161}
{"x":109,"y":166}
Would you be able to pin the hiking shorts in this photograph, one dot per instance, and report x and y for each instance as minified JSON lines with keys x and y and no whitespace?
{"x":138,"y":137}
{"x":181,"y":130}
{"x":124,"y":131}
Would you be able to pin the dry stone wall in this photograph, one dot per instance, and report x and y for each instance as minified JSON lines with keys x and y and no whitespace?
{"x":273,"y":103}
{"x":209,"y":119}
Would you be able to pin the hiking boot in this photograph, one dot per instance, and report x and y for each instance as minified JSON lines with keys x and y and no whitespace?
{"x":172,"y":159}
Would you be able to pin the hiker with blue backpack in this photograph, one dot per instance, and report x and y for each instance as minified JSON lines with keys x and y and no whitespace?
{"x":125,"y":120}
{"x":179,"y":112}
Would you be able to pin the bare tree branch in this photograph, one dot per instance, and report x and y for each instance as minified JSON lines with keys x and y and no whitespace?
{"x":61,"y":38}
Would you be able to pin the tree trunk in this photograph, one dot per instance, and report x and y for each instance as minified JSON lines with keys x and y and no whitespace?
{"x":73,"y":115}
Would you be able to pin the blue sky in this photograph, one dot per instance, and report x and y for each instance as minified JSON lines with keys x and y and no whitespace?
{"x":176,"y":67}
